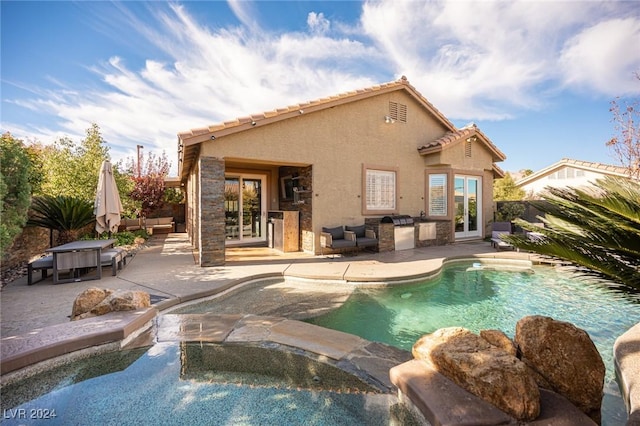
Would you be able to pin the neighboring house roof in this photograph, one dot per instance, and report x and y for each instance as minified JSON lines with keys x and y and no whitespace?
{"x":451,"y":138}
{"x":604,"y":169}
{"x":189,"y":141}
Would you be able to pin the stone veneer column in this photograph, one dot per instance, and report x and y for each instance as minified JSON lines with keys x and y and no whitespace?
{"x":211,"y":212}
{"x":386,"y":237}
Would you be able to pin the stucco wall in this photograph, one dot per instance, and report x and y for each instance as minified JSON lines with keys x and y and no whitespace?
{"x":337,"y":142}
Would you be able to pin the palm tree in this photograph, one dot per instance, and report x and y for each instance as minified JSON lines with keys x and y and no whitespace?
{"x":597,"y":228}
{"x":67,"y":215}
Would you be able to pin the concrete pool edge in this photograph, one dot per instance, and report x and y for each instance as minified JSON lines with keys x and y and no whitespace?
{"x":626,"y":351}
{"x":41,"y":345}
{"x":368,"y":361}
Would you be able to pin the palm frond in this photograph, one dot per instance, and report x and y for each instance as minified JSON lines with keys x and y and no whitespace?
{"x":597,"y":228}
{"x":61,"y":213}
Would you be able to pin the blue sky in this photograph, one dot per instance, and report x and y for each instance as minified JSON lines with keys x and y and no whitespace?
{"x":537,"y":77}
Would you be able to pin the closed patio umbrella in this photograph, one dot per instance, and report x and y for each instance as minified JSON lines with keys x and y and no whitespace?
{"x":108,"y":206}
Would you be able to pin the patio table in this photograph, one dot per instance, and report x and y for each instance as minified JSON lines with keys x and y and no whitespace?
{"x":79,"y":254}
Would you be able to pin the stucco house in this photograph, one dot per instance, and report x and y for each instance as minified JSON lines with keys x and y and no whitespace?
{"x":349,"y":159}
{"x":567,"y":173}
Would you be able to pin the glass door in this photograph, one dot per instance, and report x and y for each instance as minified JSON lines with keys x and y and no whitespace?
{"x":468,"y":206}
{"x":245,"y":209}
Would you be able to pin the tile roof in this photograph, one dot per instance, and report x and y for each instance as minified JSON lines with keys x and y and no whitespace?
{"x":606,"y":169}
{"x":451,"y":137}
{"x":198,"y":135}
{"x":190,"y":140}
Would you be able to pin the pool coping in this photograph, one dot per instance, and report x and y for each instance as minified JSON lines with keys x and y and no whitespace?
{"x":626,"y":356}
{"x":46,"y":343}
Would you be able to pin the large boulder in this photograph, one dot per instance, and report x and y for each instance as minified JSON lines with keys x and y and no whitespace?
{"x":94,"y":302}
{"x":483,"y":369}
{"x":88,"y":299}
{"x":566,"y":358}
{"x":499,"y":339}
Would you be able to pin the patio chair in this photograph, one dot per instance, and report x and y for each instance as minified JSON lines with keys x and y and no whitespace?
{"x":334,"y":238}
{"x":498,"y":230}
{"x":364,"y":237}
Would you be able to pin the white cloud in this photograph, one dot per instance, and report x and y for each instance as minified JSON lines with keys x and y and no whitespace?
{"x":317,"y":23}
{"x":245,"y":11}
{"x":604,"y":57}
{"x":482,"y":60}
{"x":472,"y":60}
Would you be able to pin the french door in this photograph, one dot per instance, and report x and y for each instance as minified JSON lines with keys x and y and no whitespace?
{"x":245,"y":209}
{"x":468,"y":206}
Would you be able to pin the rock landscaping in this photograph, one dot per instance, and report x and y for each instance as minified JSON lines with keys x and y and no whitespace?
{"x":513,"y":375}
{"x":95,"y":301}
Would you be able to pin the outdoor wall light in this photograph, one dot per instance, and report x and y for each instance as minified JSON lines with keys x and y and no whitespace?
{"x":213,"y":137}
{"x":301,"y":111}
{"x":389,"y":120}
{"x":253,"y":123}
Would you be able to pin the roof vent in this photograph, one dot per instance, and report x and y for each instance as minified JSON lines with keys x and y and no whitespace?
{"x":398,"y":112}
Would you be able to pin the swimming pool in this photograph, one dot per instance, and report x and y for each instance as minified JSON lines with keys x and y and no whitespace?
{"x":156,"y":374}
{"x":489,"y":296}
{"x":195,"y":383}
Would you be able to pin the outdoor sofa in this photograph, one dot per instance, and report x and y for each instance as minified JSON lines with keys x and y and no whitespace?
{"x":130,"y":224}
{"x":341,"y":238}
{"x":158,"y":225}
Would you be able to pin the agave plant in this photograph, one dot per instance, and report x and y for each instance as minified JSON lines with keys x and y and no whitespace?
{"x":67,"y":215}
{"x":597,"y":228}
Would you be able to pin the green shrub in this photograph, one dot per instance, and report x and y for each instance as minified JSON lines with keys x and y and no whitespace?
{"x":508,"y":212}
{"x":15,"y":189}
{"x":67,"y":215}
{"x":124,"y":238}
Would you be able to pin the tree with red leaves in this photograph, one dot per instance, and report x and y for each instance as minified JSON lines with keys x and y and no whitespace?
{"x":149,"y":187}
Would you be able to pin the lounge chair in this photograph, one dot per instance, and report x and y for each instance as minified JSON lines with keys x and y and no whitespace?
{"x":498,"y":230}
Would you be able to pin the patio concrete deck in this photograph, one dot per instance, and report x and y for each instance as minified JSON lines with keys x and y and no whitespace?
{"x":166,"y":268}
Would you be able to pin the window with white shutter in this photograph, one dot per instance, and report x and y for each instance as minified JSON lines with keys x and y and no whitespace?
{"x":380,"y":189}
{"x":437,"y":195}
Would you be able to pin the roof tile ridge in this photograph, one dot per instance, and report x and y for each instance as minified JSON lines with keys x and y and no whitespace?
{"x":402,"y":81}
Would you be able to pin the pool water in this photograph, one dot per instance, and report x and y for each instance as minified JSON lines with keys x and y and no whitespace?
{"x":485,"y":296}
{"x":193,"y":383}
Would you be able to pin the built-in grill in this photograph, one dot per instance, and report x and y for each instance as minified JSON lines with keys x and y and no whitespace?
{"x":403,"y":231}
{"x":398,"y":220}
